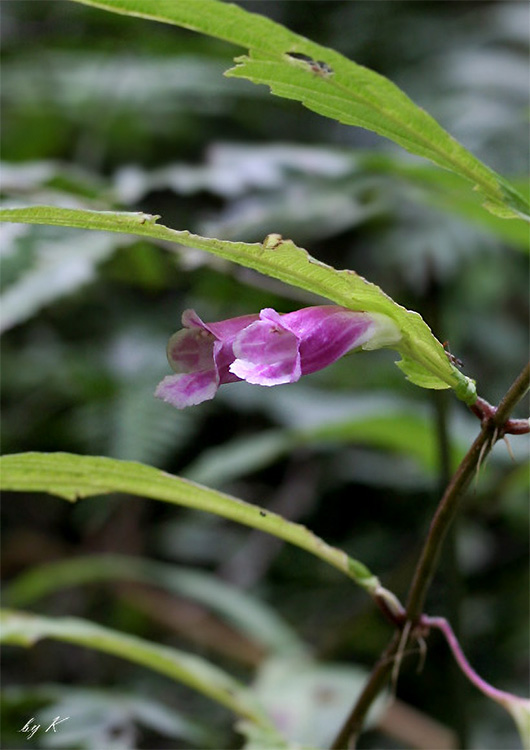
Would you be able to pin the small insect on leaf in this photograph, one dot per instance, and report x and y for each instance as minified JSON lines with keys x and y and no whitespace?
{"x":318,"y":67}
{"x":451,"y":357}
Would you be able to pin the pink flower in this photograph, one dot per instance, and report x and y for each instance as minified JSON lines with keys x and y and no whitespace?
{"x":265,"y":349}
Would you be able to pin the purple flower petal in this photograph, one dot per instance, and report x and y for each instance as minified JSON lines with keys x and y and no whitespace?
{"x":224,"y":356}
{"x":265,"y":349}
{"x":205,"y":346}
{"x":188,"y":389}
{"x":326,"y":333}
{"x":266,"y":354}
{"x":222,"y":330}
{"x":191,"y":350}
{"x":190,"y":319}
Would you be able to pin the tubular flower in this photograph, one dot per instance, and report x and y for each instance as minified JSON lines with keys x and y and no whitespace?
{"x":265,"y":349}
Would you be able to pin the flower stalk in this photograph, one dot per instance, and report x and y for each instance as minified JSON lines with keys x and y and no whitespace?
{"x":499,"y":696}
{"x":493,"y":428}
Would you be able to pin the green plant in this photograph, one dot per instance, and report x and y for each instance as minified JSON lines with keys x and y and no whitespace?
{"x":329,"y":84}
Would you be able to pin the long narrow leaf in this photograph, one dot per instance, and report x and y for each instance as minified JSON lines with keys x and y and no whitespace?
{"x":25,"y":629}
{"x":72,"y":477}
{"x":241,"y":609}
{"x":328,"y":83}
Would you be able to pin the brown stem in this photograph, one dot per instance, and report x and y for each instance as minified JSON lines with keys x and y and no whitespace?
{"x":376,"y":682}
{"x":492,"y":429}
{"x":499,"y":415}
{"x":515,"y":393}
{"x":450,"y":570}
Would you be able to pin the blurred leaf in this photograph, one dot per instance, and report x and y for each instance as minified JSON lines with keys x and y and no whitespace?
{"x":520,"y":711}
{"x":196,"y":540}
{"x":394,"y":428}
{"x":233,"y":169}
{"x":309,"y":701}
{"x":424,"y":358}
{"x":447,"y":191}
{"x":103,"y":718}
{"x":25,"y":629}
{"x":131,"y":425}
{"x":302,"y":191}
{"x":513,"y":490}
{"x":330,"y":84}
{"x":251,"y":616}
{"x":257,"y":739}
{"x":72,"y":477}
{"x":406,"y":433}
{"x":135,"y":85}
{"x":58,"y":266}
{"x":34,"y":177}
{"x":314,"y":191}
{"x":235,"y":458}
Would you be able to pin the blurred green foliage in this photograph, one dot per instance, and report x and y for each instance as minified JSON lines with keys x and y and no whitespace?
{"x":105,"y":111}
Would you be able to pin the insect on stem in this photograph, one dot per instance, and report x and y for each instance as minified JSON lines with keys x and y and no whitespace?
{"x":451,"y":357}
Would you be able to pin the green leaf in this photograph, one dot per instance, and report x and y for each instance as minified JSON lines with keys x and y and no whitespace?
{"x":72,"y":477}
{"x":283,"y":260}
{"x":252,"y":617}
{"x":419,"y":375}
{"x":25,"y":629}
{"x":241,"y":456}
{"x":330,"y":84}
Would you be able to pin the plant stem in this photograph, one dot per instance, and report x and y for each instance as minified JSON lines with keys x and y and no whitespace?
{"x":450,"y":502}
{"x":516,"y":392}
{"x":354,"y":723}
{"x":451,"y":570}
{"x":491,"y":430}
